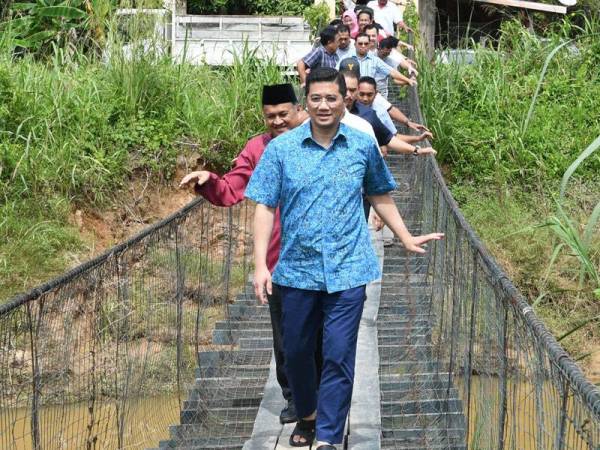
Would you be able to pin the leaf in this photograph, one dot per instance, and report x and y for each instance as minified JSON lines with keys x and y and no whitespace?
{"x":555,"y":254}
{"x":591,"y":225}
{"x":584,"y":154}
{"x":23,"y":6}
{"x":578,"y":327}
{"x":41,"y":36}
{"x":17,"y":24}
{"x":66,"y":12}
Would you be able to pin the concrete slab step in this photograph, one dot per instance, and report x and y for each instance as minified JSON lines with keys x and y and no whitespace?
{"x":403,"y":339}
{"x":405,"y":352}
{"x":256,"y":343}
{"x":238,"y":310}
{"x":218,"y":358}
{"x":232,"y":336}
{"x":417,"y":392}
{"x":419,"y":323}
{"x":405,"y":310}
{"x":211,"y":429}
{"x":200,"y":414}
{"x":244,"y":324}
{"x":225,"y":398}
{"x":407,"y":367}
{"x":423,"y":420}
{"x":252,"y":370}
{"x":425,"y":406}
{"x":420,"y":433}
{"x":448,"y":444}
{"x":393,"y":322}
{"x":210,"y":383}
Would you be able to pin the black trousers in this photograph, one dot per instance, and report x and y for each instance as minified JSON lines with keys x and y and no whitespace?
{"x":277,"y":326}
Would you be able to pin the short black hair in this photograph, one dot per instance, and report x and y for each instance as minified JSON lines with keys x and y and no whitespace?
{"x":324,"y":75}
{"x":368,"y":80}
{"x":365,"y":10}
{"x":389,"y":42}
{"x":343,"y":28}
{"x":371,"y":26}
{"x":327,"y":35}
{"x":361,"y":34}
{"x":335,"y":22}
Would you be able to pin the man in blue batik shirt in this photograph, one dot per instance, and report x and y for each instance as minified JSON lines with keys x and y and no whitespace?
{"x":316,"y":174}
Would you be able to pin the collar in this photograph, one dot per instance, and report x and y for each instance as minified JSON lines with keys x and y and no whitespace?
{"x":369,"y":55}
{"x":266,"y":138}
{"x":306,"y":133}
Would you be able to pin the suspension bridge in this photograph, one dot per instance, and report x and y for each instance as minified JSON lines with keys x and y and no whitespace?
{"x":159,"y":342}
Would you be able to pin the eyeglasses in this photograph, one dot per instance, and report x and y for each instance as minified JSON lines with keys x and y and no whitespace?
{"x":362,"y":44}
{"x":316,"y":100}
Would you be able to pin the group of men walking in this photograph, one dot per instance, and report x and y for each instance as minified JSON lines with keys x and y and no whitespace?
{"x":311,"y":175}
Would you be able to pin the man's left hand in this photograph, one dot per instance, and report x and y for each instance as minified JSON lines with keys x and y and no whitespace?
{"x":416,"y":242}
{"x":425,"y":135}
{"x":417,"y":126}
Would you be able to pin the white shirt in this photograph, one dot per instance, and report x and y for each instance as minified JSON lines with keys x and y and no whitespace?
{"x":381,"y":107}
{"x":349,"y":52}
{"x":386,"y":16}
{"x":349,"y":5}
{"x":352,"y":120}
{"x":394,"y":59}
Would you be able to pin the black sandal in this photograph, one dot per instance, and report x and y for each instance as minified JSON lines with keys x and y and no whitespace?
{"x":304,"y":429}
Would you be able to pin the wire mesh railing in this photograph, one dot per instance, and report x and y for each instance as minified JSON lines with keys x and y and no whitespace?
{"x":103,"y":356}
{"x":162,"y":330}
{"x":478,"y":369}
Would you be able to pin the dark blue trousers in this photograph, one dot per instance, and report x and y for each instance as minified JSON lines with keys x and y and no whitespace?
{"x":339,"y":313}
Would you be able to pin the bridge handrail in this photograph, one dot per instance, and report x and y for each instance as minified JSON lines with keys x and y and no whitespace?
{"x":44,"y":288}
{"x":557,"y":353}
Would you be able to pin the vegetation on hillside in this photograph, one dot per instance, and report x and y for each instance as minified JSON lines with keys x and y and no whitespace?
{"x":75,"y":127}
{"x":507,"y":132}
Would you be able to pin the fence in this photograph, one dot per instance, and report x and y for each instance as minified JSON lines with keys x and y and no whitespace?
{"x":516,"y":386}
{"x":102,"y":357}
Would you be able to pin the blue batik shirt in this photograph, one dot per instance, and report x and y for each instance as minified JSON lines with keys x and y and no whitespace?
{"x":325,"y":239}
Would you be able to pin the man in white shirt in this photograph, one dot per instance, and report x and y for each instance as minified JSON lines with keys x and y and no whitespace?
{"x":346,"y":47}
{"x":387,"y":15}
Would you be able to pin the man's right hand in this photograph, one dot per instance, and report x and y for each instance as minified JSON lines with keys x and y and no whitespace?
{"x":196,"y":178}
{"x":426,"y":151}
{"x":262,"y":284}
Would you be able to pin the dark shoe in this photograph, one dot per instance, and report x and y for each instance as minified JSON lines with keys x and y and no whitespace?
{"x":288,"y":414}
{"x":306,"y":430}
{"x":326,"y":447}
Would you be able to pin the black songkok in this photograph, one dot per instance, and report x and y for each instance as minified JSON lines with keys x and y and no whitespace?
{"x":278,"y":94}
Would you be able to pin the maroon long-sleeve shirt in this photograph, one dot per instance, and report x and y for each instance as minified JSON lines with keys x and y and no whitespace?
{"x":229,"y":189}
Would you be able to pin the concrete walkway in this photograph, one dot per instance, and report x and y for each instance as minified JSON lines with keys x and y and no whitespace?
{"x":364,"y":424}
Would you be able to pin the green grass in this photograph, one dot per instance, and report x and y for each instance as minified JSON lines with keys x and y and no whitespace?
{"x":493,"y":96}
{"x":508,"y":127}
{"x":507,"y":224}
{"x":75,"y":130}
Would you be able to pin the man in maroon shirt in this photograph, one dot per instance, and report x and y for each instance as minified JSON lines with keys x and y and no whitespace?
{"x":281,"y":112}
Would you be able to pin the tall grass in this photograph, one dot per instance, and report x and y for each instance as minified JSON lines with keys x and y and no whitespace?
{"x":75,"y":128}
{"x":493,"y":96}
{"x":508,"y":128}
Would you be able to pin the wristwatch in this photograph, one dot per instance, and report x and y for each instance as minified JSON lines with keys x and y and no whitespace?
{"x":416,"y":150}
